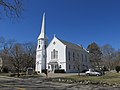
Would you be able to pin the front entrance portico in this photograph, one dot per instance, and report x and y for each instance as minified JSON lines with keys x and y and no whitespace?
{"x":52,"y":66}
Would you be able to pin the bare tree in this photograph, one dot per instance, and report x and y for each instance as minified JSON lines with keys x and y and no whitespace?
{"x":29,"y":55}
{"x":2,"y":41}
{"x":78,"y":62}
{"x":5,"y":47}
{"x":17,"y":57}
{"x":117,"y":62}
{"x":11,"y":8}
{"x":78,"y":65}
{"x":16,"y":54}
{"x":109,"y":56}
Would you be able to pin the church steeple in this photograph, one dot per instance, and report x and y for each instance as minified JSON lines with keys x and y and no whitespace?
{"x":41,"y":48}
{"x":43,"y":31}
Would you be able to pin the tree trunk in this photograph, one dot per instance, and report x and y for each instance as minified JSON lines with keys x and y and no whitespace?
{"x":78,"y":71}
{"x":18,"y":71}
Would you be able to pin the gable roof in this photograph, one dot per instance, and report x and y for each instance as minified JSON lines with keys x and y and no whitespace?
{"x":71,"y":45}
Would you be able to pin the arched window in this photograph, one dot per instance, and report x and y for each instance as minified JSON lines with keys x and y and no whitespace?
{"x":39,"y":46}
{"x":54,"y":54}
{"x":48,"y":67}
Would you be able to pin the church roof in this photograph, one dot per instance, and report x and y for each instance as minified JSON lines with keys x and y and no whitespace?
{"x":71,"y":45}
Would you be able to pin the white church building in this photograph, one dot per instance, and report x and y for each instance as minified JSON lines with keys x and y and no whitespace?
{"x":59,"y":54}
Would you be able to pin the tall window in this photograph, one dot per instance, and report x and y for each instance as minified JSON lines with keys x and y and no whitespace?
{"x":45,"y":44}
{"x":82,"y":57}
{"x":51,"y":55}
{"x":73,"y":67}
{"x":77,"y":56}
{"x":69,"y":66}
{"x":38,"y":43}
{"x":54,"y":54}
{"x":68,"y":55}
{"x":86,"y":58}
{"x":39,"y":46}
{"x":73,"y":56}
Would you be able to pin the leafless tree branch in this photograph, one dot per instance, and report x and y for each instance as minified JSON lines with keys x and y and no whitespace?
{"x":11,"y":8}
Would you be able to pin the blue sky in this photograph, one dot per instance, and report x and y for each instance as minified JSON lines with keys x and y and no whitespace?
{"x":77,"y":21}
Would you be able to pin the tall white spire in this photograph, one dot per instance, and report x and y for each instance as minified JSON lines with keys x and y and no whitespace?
{"x":41,"y":48}
{"x":43,"y":31}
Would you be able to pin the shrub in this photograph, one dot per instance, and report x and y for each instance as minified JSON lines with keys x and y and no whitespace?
{"x":105,"y":69}
{"x":12,"y":74}
{"x":35,"y":73}
{"x":84,"y":71}
{"x":44,"y":71}
{"x":5,"y":70}
{"x":59,"y":71}
{"x":117,"y":68}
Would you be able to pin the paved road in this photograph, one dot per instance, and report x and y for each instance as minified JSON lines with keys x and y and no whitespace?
{"x":8,"y":83}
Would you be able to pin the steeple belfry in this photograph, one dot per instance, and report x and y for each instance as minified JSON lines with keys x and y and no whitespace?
{"x":41,"y":48}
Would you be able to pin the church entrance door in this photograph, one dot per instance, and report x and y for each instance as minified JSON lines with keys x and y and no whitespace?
{"x":54,"y":66}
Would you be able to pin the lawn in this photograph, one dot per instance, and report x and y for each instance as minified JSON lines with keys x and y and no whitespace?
{"x":4,"y":74}
{"x":110,"y":78}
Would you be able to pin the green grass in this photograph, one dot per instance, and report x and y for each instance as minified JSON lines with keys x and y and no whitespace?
{"x":111,"y":78}
{"x":22,"y":75}
{"x":4,"y":74}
